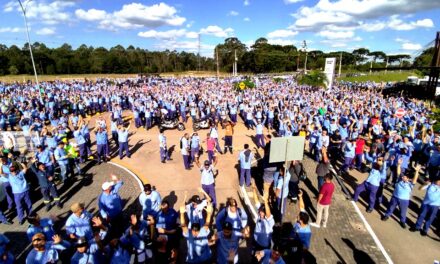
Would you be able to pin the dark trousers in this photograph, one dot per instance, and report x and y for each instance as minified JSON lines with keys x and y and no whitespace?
{"x":210,"y":155}
{"x":19,"y":199}
{"x":101,"y":151}
{"x":228,"y":143}
{"x":403,"y":206}
{"x":245,"y":174}
{"x":320,"y":182}
{"x":428,"y":212}
{"x":194,"y":153}
{"x":347,"y":164}
{"x":210,"y":190}
{"x":186,"y":161}
{"x":217,"y":146}
{"x":164,"y":155}
{"x":365,"y":186}
{"x":49,"y":191}
{"x":293,"y":189}
{"x":115,"y":138}
{"x":123,"y":147}
{"x":9,"y":194}
{"x":260,"y":141}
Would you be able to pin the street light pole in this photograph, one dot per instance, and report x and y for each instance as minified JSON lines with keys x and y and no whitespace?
{"x":23,"y":9}
{"x":305,"y":62}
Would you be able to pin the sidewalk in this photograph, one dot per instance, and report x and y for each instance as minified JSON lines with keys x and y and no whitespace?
{"x":345,"y":240}
{"x":84,"y":190}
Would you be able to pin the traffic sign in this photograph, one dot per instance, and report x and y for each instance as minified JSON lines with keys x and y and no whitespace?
{"x":242,"y":85}
{"x":400,"y":112}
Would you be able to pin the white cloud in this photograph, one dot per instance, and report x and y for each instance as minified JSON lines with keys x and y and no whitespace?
{"x":246,"y":2}
{"x":45,"y":31}
{"x":91,"y":14}
{"x":42,"y":11}
{"x":282,"y":33}
{"x":170,"y":34}
{"x":246,"y":19}
{"x":350,"y":12}
{"x":336,"y":34}
{"x":375,"y":26}
{"x":217,"y":31}
{"x":401,"y":40}
{"x":11,"y":30}
{"x":338,"y":45}
{"x":233,"y":13}
{"x":292,"y":1}
{"x":136,"y":15}
{"x":398,"y":24}
{"x":411,"y":46}
{"x":190,"y":24}
{"x":279,"y":41}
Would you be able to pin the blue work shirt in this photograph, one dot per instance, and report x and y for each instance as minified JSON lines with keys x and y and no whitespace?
{"x":101,"y":138}
{"x":46,"y":227}
{"x":123,"y":135}
{"x":267,"y":258}
{"x":61,"y":156}
{"x":150,"y":203}
{"x":245,"y":160}
{"x":376,"y":176}
{"x":167,"y":220}
{"x":45,"y":157}
{"x":18,"y":183}
{"x":110,"y":205}
{"x":303,"y":234}
{"x":225,"y":245}
{"x":80,"y":226}
{"x":49,"y":255}
{"x":198,"y":248}
{"x":432,"y":196}
{"x":402,"y":190}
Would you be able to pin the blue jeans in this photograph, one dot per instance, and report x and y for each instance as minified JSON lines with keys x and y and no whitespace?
{"x":428,"y":211}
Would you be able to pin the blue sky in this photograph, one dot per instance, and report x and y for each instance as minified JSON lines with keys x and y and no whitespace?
{"x":394,"y":26}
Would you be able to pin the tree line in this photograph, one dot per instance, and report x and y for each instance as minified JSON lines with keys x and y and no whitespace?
{"x":261,"y":57}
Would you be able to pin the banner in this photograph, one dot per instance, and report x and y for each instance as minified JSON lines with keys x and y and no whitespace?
{"x":329,"y":71}
{"x":286,"y":149}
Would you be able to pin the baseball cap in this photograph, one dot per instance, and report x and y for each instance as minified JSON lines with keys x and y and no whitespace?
{"x":106,"y":185}
{"x":196,"y":199}
{"x":82,"y":241}
{"x":227,"y":225}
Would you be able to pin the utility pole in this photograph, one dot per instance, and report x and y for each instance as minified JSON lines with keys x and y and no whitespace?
{"x":198,"y":54}
{"x":340,"y":64}
{"x":305,"y":62}
{"x":235,"y":62}
{"x":386,"y":65}
{"x":371,"y":66}
{"x":216,"y":55}
{"x":23,"y":9}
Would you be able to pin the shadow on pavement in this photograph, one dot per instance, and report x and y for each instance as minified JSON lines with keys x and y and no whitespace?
{"x":359,"y":256}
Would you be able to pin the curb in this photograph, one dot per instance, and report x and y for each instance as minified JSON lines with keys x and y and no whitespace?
{"x":138,"y":180}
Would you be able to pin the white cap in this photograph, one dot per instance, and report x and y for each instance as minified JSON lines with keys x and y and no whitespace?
{"x":107,"y":185}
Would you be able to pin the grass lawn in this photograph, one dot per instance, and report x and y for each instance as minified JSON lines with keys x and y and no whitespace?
{"x":380,"y":77}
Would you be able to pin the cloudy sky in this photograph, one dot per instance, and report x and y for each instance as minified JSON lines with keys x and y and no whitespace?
{"x":394,"y":26}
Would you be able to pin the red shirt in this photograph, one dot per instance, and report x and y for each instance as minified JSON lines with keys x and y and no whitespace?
{"x":327,"y":190}
{"x":210,"y":144}
{"x":360,"y":143}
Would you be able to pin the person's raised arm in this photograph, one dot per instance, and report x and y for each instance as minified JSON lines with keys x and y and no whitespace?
{"x":209,"y":211}
{"x":416,"y":175}
{"x":301,"y":201}
{"x":183,"y":224}
{"x":200,"y":189}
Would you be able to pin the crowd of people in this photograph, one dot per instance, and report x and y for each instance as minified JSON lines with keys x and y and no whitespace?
{"x":344,"y":127}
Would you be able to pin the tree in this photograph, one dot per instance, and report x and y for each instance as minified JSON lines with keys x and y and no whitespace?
{"x":13,"y":70}
{"x":377,"y":55}
{"x":314,"y":78}
{"x":360,"y":55}
{"x":424,"y":59}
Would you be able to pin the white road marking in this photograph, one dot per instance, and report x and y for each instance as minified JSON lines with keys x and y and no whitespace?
{"x":373,"y":235}
{"x":141,"y":185}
